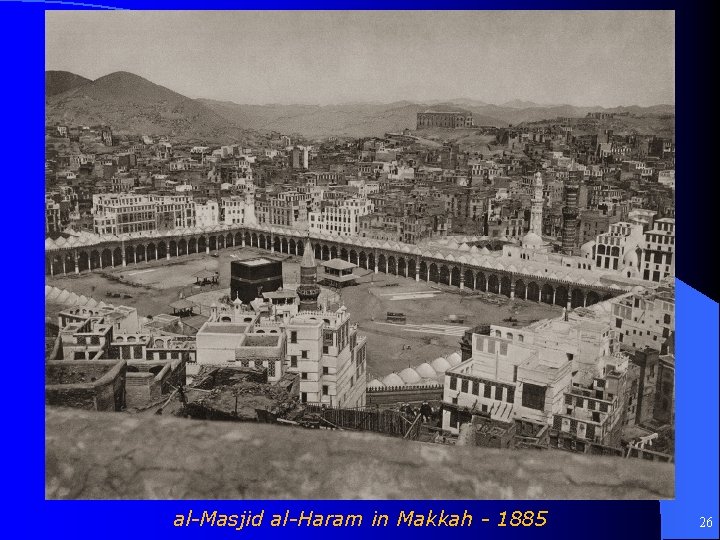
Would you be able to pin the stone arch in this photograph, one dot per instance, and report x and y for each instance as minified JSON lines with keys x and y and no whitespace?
{"x":353,"y":256}
{"x":455,"y":276}
{"x":248,"y":239}
{"x":434,"y":274}
{"x":344,"y":254}
{"x":325,"y":253}
{"x":371,"y":261}
{"x":83,"y":261}
{"x":402,"y":267}
{"x":212,"y":243}
{"x":284,"y":246}
{"x":493,"y":284}
{"x":577,"y":298}
{"x":481,"y":284}
{"x":173,"y":248}
{"x":202,"y":244}
{"x":220,"y":241}
{"x":334,"y":252}
{"x":291,"y":246}
{"x":592,"y":298}
{"x":151,"y":252}
{"x":561,"y":295}
{"x":392,"y":265}
{"x":469,"y":277}
{"x":505,"y":285}
{"x":106,"y":258}
{"x":54,"y":266}
{"x":276,"y":244}
{"x":300,"y":248}
{"x":411,"y":267}
{"x":117,"y":256}
{"x":533,"y":292}
{"x":192,"y":245}
{"x":362,"y":260}
{"x":520,"y":289}
{"x":238,"y":238}
{"x":229,"y":239}
{"x":607,"y":296}
{"x":382,"y":261}
{"x":546,"y":294}
{"x":443,"y":274}
{"x":161,"y":250}
{"x":182,"y":247}
{"x":130,"y":254}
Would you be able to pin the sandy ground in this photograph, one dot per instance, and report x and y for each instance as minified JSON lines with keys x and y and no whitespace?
{"x":428,"y":334}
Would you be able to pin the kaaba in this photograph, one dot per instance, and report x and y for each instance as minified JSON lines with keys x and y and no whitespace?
{"x":252,"y":277}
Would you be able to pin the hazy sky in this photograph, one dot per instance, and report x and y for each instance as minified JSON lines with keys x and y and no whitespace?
{"x":579,"y":58}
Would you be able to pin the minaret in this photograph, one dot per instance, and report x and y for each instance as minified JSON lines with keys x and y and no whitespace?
{"x":536,"y":210}
{"x":308,"y":290}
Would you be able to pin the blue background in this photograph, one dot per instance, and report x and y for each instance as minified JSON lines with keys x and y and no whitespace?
{"x":22,"y":85}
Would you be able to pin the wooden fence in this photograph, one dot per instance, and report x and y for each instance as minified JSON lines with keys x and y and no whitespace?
{"x":387,"y":422}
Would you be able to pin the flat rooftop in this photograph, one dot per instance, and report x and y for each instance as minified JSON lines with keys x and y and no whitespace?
{"x":255,"y":262}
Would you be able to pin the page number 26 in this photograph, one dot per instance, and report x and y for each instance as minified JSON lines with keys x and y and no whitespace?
{"x":706,"y":522}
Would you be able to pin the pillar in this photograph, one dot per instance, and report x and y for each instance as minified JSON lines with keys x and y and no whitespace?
{"x":585,"y":300}
{"x":487,"y":279}
{"x":554,"y":291}
{"x":63,"y":259}
{"x":77,"y":263}
{"x":406,"y":269}
{"x":272,"y":244}
{"x":112,"y":258}
{"x":348,"y":255}
{"x":417,"y":272}
{"x":242,"y":239}
{"x":167,"y":253}
{"x":474,"y":281}
{"x":428,"y":274}
{"x":207,"y":248}
{"x":124,"y":263}
{"x":462,"y":280}
{"x":135,"y":255}
{"x":376,"y":265}
{"x":386,"y":265}
{"x":232,"y":240}
{"x":512,"y":289}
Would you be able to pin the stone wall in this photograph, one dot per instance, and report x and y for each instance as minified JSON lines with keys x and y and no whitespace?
{"x":91,"y":455}
{"x":94,"y":384}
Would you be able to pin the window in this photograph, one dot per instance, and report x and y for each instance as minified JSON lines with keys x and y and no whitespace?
{"x":488,"y":391}
{"x":476,"y":388}
{"x":453,"y":383}
{"x":303,"y":354}
{"x":325,"y":390}
{"x":326,"y":370}
{"x":533,"y":396}
{"x":293,"y":337}
{"x":303,"y":375}
{"x":293,"y":361}
{"x":498,"y":393}
{"x":325,"y":349}
{"x":464,"y":385}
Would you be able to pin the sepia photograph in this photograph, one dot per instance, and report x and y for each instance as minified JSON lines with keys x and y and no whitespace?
{"x":360,"y":255}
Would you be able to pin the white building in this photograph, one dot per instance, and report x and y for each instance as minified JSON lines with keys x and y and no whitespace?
{"x":237,"y":210}
{"x":339,"y":217}
{"x":207,"y":214}
{"x":658,"y":251}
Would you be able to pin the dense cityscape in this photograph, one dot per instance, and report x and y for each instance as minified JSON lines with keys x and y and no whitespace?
{"x":456,"y":280}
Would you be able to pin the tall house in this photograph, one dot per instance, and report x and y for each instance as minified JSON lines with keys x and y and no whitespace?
{"x":658,"y":254}
{"x":570,"y":215}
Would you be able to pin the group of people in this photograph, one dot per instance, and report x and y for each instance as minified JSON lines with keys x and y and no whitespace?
{"x":426,"y":411}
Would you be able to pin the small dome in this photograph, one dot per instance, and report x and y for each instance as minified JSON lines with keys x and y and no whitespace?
{"x":375,"y":383}
{"x":587,"y":247}
{"x":532,"y":239}
{"x":485,"y":250}
{"x":409,"y":375}
{"x":393,"y":380}
{"x":440,"y":365}
{"x":454,"y":359}
{"x":426,"y":371}
{"x":631,"y":258}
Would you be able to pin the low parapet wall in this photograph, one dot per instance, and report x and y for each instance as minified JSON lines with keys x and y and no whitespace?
{"x":91,"y":455}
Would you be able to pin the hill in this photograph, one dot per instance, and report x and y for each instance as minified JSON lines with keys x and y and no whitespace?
{"x":134,"y":105}
{"x":350,"y":119}
{"x":57,"y":82}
